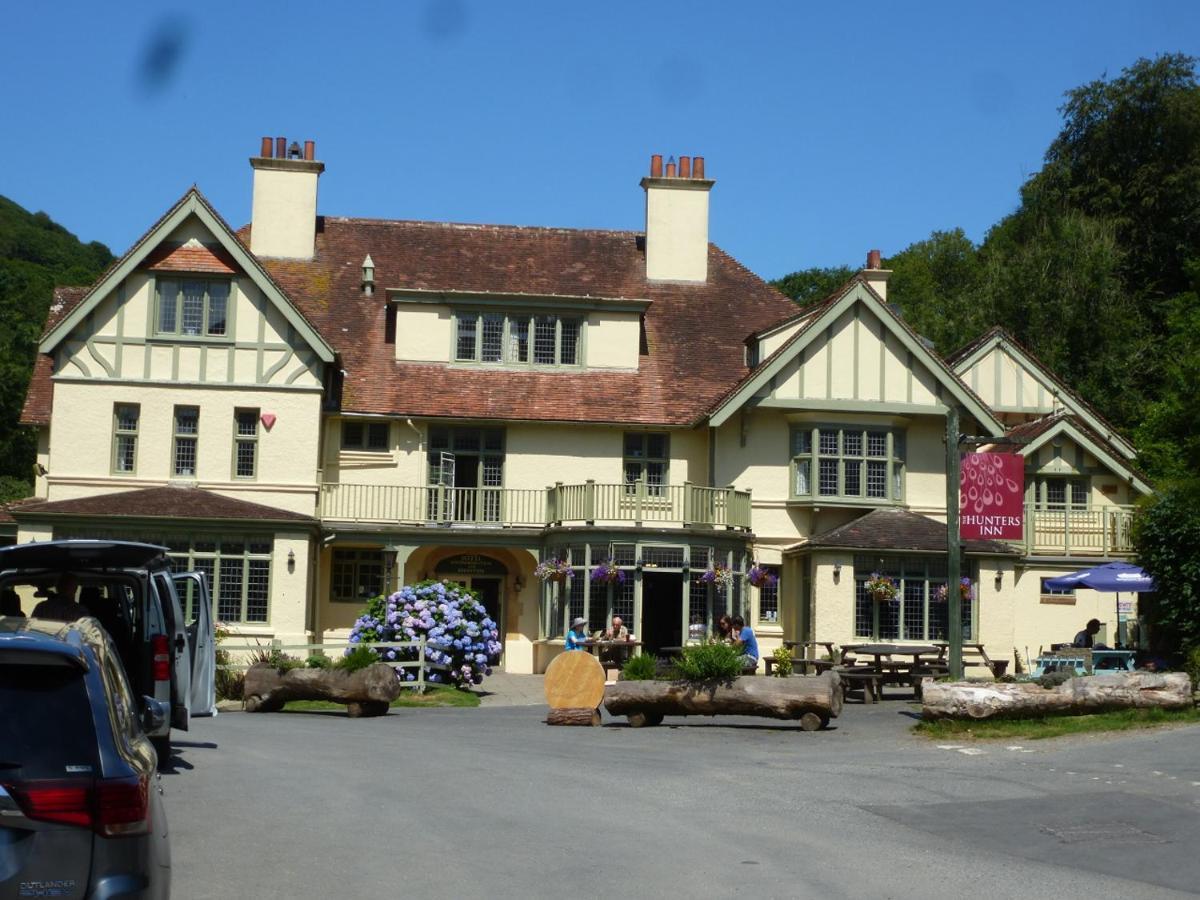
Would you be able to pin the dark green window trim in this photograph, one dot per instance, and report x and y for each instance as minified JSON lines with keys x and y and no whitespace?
{"x":185,"y":443}
{"x":193,"y":307}
{"x":855,"y":463}
{"x":245,"y":444}
{"x":356,"y":575}
{"x":126,"y":419}
{"x":518,"y":339}
{"x":646,"y":458}
{"x":374,"y":437}
{"x":1061,"y":492}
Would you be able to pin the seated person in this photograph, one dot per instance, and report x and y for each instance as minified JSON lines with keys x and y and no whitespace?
{"x":1087,"y":637}
{"x":10,"y":603}
{"x":615,"y":632}
{"x":60,"y":604}
{"x":744,"y":640}
{"x":577,"y":635}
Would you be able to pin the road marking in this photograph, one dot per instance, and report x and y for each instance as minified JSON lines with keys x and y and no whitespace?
{"x":949,"y":746}
{"x":971,"y":751}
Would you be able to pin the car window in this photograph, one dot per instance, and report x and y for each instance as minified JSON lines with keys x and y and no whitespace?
{"x":46,"y":728}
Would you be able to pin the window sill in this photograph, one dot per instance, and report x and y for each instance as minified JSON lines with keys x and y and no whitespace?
{"x":164,"y":338}
{"x":857,"y":502}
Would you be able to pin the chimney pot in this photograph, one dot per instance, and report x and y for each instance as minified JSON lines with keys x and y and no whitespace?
{"x":310,"y":150}
{"x":281,"y":147}
{"x":698,"y":167}
{"x":671,"y":167}
{"x":656,"y":166}
{"x":294,"y":151}
{"x":685,"y":167}
{"x":874,"y":259}
{"x":266,"y":148}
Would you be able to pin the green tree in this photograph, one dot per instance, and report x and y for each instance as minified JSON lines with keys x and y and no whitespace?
{"x":1167,"y":539}
{"x":936,"y":285}
{"x":809,"y":285}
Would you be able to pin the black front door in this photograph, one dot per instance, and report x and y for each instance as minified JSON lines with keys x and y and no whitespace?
{"x":489,"y":595}
{"x":662,"y":611}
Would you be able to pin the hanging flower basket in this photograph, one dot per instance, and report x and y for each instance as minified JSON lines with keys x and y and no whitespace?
{"x":966,"y":590}
{"x":607,"y":572}
{"x":881,"y":587}
{"x":555,"y":570}
{"x":720,"y":575}
{"x":761,"y":576}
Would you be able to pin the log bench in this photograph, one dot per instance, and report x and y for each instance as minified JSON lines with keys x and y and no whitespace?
{"x":366,"y":692}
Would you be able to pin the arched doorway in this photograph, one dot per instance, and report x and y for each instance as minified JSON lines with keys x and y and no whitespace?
{"x":482,"y":574}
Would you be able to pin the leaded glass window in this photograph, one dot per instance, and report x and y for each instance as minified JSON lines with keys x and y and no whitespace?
{"x":543,"y":340}
{"x":847,"y":462}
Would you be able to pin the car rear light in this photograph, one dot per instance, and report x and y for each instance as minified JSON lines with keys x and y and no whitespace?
{"x":118,"y":807}
{"x":122,"y":807}
{"x":161,"y":648}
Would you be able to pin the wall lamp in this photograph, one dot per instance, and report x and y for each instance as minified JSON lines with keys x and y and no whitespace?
{"x":837,"y":572}
{"x":999,"y":579}
{"x":291,"y":560}
{"x":519,"y":584}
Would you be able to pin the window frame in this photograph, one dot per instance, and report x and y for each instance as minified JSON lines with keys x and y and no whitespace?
{"x":251,"y":440}
{"x":898,"y":568}
{"x":205,"y":333}
{"x":644,"y":461}
{"x":356,"y":563}
{"x":178,"y":437}
{"x":510,"y":332}
{"x":368,"y":429}
{"x":771,"y":592}
{"x":184,"y":559}
{"x":810,"y":456}
{"x":1041,"y":493}
{"x":120,"y":433}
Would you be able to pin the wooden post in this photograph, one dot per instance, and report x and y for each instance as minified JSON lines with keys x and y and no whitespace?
{"x":639,"y":499}
{"x":687,"y":504}
{"x":589,"y":501}
{"x":953,"y":601}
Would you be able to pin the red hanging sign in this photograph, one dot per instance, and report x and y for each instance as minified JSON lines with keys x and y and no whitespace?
{"x":991,"y":497}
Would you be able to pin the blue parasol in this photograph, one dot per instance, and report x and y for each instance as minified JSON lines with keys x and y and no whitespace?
{"x":1111,"y":577}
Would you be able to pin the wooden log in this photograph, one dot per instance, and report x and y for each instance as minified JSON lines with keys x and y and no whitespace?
{"x":574,"y":680}
{"x":644,"y":720}
{"x":367,"y":692}
{"x":1076,"y":696}
{"x":774,"y":698}
{"x":573,"y":716}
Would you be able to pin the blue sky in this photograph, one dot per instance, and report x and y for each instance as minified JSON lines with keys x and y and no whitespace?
{"x":829,"y":128}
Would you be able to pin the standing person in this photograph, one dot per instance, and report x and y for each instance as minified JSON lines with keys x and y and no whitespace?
{"x":745,"y":640}
{"x":577,"y":635}
{"x":1087,"y":637}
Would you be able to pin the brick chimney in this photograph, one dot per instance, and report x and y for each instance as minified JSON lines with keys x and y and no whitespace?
{"x":283,"y":216}
{"x":876,"y":275}
{"x":677,"y":220}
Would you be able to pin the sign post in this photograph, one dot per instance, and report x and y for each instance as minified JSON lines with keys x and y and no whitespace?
{"x":954,"y":605}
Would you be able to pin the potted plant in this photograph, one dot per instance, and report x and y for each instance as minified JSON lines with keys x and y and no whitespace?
{"x":965,"y":589}
{"x":720,"y":575}
{"x":607,"y":572}
{"x":558,"y":570}
{"x":761,"y":576}
{"x":881,"y":587}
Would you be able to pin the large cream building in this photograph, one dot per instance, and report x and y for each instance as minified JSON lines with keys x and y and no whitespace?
{"x":315,"y":409}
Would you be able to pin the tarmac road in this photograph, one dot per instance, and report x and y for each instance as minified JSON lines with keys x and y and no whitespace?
{"x":456,"y":803}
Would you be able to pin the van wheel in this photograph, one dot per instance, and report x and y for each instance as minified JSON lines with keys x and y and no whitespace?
{"x":162,"y":746}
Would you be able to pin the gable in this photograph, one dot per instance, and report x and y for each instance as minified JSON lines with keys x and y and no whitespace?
{"x":1066,"y":449}
{"x":1011,"y":381}
{"x":855,"y":355}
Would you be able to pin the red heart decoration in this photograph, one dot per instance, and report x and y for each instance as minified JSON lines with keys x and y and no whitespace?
{"x":268,"y":419}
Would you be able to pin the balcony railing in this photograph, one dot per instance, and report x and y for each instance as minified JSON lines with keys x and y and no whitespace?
{"x":592,"y":503}
{"x":1099,"y":531}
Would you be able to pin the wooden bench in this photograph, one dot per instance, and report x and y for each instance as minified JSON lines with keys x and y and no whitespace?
{"x":869,"y":680}
{"x":974,"y":655}
{"x":800,"y":664}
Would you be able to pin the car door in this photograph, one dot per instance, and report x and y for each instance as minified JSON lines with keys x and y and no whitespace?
{"x":192,"y":588}
{"x":181,"y":657}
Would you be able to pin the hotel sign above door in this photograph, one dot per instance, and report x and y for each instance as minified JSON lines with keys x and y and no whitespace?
{"x":991,"y":497}
{"x":470,"y":564}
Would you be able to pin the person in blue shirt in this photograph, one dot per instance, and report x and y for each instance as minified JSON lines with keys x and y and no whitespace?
{"x":577,"y":635}
{"x":745,"y":641}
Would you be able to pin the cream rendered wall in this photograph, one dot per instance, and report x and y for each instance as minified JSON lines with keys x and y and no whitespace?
{"x":1002,"y":382}
{"x":403,"y":463}
{"x":612,"y":340}
{"x":81,"y":445}
{"x":772,"y":342}
{"x":424,"y":332}
{"x":676,"y":229}
{"x":537,"y":456}
{"x":284,"y":210}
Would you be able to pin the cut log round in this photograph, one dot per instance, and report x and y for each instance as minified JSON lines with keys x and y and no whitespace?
{"x":1076,"y":696}
{"x":574,"y":680}
{"x":644,"y":720}
{"x":367,"y":692}
{"x":775,"y":698}
{"x":569,"y":716}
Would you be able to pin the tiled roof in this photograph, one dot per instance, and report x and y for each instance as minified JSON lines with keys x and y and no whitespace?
{"x":191,"y":257}
{"x":693,"y":339}
{"x":40,"y":394}
{"x":899,"y":529}
{"x":160,"y":503}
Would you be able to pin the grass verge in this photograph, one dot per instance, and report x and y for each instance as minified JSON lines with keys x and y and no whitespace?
{"x":1054,"y":726}
{"x":435,"y":695}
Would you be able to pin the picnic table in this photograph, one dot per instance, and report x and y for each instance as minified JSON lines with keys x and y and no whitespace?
{"x":872,"y":675}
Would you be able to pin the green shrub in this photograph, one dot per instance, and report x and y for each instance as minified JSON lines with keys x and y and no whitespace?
{"x":1191,"y":664}
{"x":1052,"y":680}
{"x":783,"y":662}
{"x":640,"y":668}
{"x":275,"y":658}
{"x":706,"y":662}
{"x":358,"y":658}
{"x":230,"y":683}
{"x":318,"y":661}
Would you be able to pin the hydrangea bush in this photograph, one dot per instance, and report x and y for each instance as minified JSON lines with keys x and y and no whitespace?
{"x":458,"y":633}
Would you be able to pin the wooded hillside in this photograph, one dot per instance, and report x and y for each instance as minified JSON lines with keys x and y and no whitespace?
{"x":35,"y":255}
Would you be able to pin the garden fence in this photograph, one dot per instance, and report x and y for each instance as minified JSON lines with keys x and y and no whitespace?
{"x":420,"y":663}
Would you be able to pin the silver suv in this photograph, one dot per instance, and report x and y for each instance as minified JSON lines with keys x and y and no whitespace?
{"x":81,"y":811}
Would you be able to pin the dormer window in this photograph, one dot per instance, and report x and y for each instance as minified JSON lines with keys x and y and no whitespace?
{"x":192,"y":307}
{"x":517,"y":339}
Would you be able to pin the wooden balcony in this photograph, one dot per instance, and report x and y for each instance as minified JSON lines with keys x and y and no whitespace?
{"x":591,"y":503}
{"x":1099,"y":531}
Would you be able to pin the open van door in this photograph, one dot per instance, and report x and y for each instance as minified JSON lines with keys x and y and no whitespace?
{"x":192,"y":588}
{"x":179,"y":653}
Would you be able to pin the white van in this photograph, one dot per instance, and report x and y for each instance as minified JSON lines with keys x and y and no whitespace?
{"x":130,"y":589}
